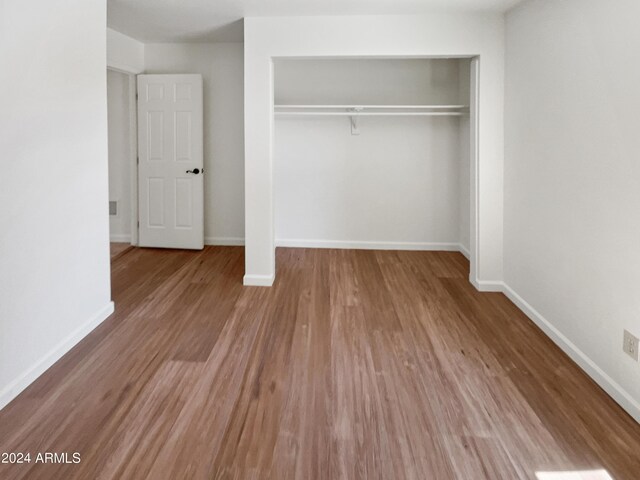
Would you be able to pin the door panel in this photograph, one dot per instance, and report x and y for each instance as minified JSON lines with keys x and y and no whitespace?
{"x":155,"y":128}
{"x":183,"y":203}
{"x":156,"y":203}
{"x":171,"y":196}
{"x":184,"y":137}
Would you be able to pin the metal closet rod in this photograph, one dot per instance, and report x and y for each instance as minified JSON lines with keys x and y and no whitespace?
{"x":433,"y":107}
{"x":365,"y":110}
{"x":372,"y":114}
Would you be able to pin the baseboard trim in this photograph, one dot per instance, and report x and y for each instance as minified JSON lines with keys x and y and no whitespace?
{"x":258,"y":280}
{"x":120,"y":238}
{"x":367,"y":245}
{"x":26,"y":378}
{"x":464,"y":251}
{"x":224,"y":241}
{"x":487,"y":285}
{"x":613,"y":389}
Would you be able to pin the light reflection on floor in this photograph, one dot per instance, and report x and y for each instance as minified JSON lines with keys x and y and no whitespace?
{"x":575,"y":475}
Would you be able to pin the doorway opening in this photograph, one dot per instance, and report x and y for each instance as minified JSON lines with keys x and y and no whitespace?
{"x":123,"y":192}
{"x":156,"y":169}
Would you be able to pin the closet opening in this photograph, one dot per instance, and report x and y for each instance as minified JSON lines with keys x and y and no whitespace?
{"x":375,"y":153}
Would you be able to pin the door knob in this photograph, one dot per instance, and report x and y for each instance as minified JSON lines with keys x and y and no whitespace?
{"x":195,"y":171}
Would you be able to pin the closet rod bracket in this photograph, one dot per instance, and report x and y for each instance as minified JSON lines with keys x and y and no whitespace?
{"x":354,"y":120}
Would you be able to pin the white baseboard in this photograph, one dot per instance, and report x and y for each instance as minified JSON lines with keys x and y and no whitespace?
{"x":258,"y":280}
{"x":615,"y":391}
{"x":27,"y":377}
{"x":367,"y":245}
{"x":267,"y":280}
{"x":487,"y":285}
{"x":226,"y":241}
{"x":120,"y":238}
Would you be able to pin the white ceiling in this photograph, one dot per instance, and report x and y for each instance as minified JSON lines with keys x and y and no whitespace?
{"x":220,"y":20}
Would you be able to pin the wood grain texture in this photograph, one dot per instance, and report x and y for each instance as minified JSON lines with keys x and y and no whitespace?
{"x":355,"y":365}
{"x":118,"y":249}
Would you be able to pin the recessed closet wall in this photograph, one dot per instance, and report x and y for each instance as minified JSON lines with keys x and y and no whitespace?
{"x":401,"y":180}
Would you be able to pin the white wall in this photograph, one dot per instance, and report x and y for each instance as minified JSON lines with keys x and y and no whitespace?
{"x":464,"y":157}
{"x":396,"y":185}
{"x":405,"y":36}
{"x":572,"y":180}
{"x":221,"y":67}
{"x":120,"y":159}
{"x":464,"y":186}
{"x":54,"y":252}
{"x":367,"y":81}
{"x":124,"y":53}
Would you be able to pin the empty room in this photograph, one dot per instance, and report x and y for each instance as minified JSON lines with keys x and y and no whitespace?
{"x":300,"y":239}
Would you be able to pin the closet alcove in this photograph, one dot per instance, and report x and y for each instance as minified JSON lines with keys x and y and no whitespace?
{"x":372,"y":153}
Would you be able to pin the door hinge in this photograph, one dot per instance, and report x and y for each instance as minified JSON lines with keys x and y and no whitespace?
{"x":137,"y":160}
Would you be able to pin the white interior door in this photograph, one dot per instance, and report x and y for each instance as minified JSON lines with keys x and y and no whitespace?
{"x":170,"y":171}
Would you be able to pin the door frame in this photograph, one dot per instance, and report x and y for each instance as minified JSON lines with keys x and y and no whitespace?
{"x":133,"y":147}
{"x":175,"y":237}
{"x":266,"y":280}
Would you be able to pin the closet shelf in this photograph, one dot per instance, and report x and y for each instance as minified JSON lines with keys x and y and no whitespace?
{"x":373,"y":110}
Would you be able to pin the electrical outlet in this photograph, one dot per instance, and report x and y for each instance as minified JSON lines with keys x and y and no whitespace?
{"x":630,"y":345}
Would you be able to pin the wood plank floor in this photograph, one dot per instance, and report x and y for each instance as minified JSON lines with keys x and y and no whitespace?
{"x":117,"y":249}
{"x":355,"y":365}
